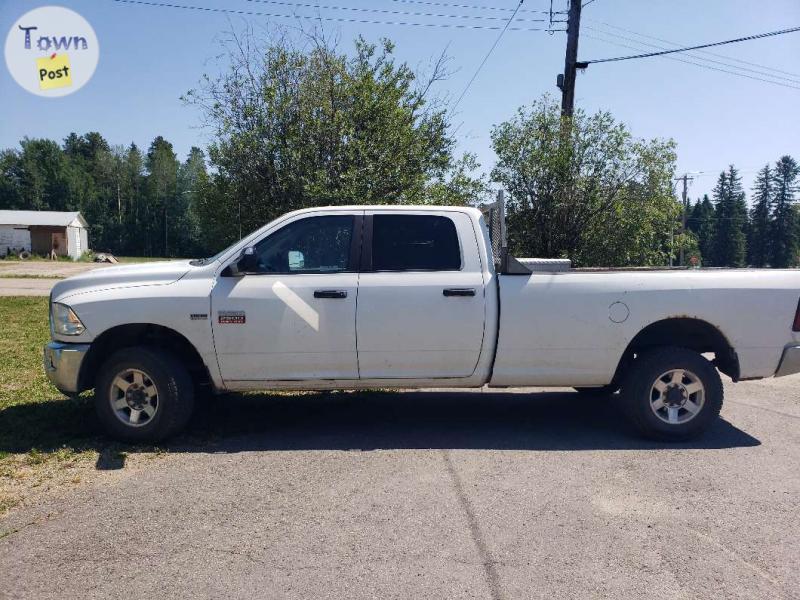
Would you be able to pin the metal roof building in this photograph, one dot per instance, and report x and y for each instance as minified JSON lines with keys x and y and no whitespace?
{"x":43,"y":232}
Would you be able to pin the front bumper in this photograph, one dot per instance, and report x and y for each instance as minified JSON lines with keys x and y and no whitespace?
{"x":790,"y":361}
{"x":62,"y":363}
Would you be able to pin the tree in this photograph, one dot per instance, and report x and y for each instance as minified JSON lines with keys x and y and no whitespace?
{"x":161,"y":190}
{"x":701,"y":224}
{"x":584,"y":188}
{"x":192,"y":181}
{"x":784,"y":221}
{"x":300,"y":125}
{"x":759,"y":247}
{"x":730,"y":219}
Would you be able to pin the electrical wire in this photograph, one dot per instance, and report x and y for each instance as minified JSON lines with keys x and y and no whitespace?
{"x":488,"y":54}
{"x":704,"y":66}
{"x":686,"y":49}
{"x":671,"y":43}
{"x":253,"y":13}
{"x":477,"y":7}
{"x":387,"y":11}
{"x":640,"y":43}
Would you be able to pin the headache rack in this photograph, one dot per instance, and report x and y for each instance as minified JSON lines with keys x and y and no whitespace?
{"x":504,"y":263}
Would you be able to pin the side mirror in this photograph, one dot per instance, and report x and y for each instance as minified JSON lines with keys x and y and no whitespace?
{"x":245,"y":263}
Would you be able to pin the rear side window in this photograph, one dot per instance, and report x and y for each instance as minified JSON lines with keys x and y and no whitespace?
{"x":414,"y":243}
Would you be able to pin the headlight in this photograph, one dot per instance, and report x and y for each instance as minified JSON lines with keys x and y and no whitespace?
{"x":64,"y":320}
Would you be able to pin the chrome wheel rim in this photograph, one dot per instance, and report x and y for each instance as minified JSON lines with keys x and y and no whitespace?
{"x":677,"y":396}
{"x":134,"y":397}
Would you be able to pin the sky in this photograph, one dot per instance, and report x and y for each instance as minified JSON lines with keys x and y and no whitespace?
{"x":150,"y":56}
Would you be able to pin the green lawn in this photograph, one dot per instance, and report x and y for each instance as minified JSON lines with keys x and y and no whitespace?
{"x":42,"y":433}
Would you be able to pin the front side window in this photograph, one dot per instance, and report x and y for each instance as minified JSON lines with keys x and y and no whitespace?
{"x":311,"y":245}
{"x":414,"y":243}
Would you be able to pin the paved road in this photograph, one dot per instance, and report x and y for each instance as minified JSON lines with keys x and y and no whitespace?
{"x":432,"y":495}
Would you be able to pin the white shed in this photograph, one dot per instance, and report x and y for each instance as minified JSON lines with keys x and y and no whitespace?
{"x":41,"y":231}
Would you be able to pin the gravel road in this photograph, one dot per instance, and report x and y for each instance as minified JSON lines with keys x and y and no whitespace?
{"x":431,"y":495}
{"x":37,"y":278}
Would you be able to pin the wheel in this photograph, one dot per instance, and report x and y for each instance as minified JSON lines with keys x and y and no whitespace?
{"x":672,"y":393}
{"x":603,"y":390}
{"x":143,"y":395}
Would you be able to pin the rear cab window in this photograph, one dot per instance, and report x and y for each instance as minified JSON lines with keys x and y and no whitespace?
{"x":415,"y":243}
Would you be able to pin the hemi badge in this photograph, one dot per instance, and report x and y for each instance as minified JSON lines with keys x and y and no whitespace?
{"x":198,"y":316}
{"x":231,"y":317}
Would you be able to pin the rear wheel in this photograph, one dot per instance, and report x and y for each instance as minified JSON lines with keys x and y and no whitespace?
{"x":143,"y":395}
{"x":672,"y":393}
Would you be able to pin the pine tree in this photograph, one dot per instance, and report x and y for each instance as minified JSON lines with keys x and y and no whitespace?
{"x":730,"y":217}
{"x":784,"y":221}
{"x":759,"y":245}
{"x":701,"y":223}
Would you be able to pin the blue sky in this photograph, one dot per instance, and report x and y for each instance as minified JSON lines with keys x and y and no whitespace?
{"x":149,"y":56}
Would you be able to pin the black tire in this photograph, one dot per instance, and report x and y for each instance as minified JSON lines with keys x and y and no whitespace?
{"x":638,"y":394}
{"x":174,"y":399}
{"x":603,"y":390}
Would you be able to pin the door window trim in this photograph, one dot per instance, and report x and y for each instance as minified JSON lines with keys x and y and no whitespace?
{"x":366,"y":252}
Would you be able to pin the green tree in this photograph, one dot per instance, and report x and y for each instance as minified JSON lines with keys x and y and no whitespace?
{"x":701,"y":223}
{"x":784,"y":221}
{"x":759,"y":246}
{"x":314,"y":126}
{"x":11,"y":174}
{"x":600,"y":198}
{"x":192,"y":181}
{"x":729,"y":248}
{"x":161,"y":209}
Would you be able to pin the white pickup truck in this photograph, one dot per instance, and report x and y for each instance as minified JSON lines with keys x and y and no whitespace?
{"x":410,"y":297}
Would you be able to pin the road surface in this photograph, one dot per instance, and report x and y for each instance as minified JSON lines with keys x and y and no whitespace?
{"x":430,"y":495}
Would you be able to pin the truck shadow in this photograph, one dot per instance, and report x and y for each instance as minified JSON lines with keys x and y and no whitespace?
{"x":369,"y":420}
{"x":420,"y":420}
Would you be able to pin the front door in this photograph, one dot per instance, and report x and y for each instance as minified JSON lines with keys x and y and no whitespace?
{"x":421,"y":297}
{"x":291,"y":315}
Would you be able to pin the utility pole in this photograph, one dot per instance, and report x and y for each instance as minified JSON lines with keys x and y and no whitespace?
{"x":684,"y":207}
{"x":566,"y":81}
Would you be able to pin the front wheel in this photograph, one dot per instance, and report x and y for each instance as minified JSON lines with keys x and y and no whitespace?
{"x":672,"y":393}
{"x":143,"y":395}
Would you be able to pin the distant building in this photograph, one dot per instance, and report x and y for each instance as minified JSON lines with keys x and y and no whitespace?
{"x":43,"y":231}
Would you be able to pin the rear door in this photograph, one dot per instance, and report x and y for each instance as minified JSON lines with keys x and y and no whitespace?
{"x":421,"y":299}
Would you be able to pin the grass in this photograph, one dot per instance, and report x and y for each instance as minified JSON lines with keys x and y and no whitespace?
{"x":42,"y":433}
{"x":141,"y":259}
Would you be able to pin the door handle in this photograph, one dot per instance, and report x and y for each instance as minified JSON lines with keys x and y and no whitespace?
{"x":459,"y":291}
{"x":330,"y":293}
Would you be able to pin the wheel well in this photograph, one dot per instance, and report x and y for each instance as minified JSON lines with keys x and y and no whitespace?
{"x":685,"y":332}
{"x":141,"y":334}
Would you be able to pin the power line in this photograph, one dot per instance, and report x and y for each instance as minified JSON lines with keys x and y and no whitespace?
{"x":704,"y":66}
{"x":253,"y":13}
{"x":711,"y":60}
{"x":723,"y":56}
{"x":387,"y":11}
{"x":488,"y":54}
{"x":477,"y":7}
{"x":686,"y":49}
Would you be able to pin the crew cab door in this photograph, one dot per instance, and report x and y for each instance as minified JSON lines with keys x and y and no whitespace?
{"x":292,"y":314}
{"x":421,"y":298}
